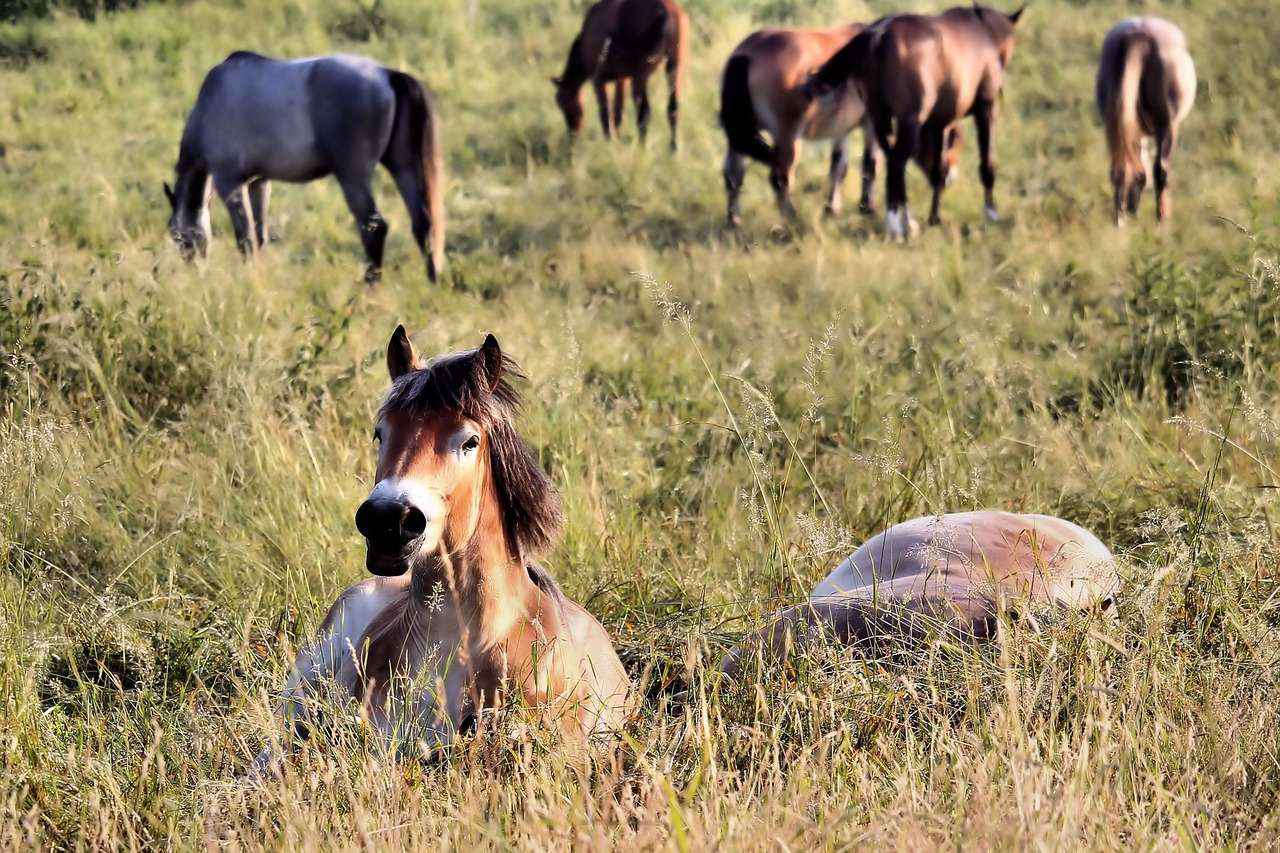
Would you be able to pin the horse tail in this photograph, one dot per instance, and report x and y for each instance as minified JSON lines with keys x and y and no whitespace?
{"x":415,"y":110}
{"x":738,"y":114}
{"x":1124,"y":130}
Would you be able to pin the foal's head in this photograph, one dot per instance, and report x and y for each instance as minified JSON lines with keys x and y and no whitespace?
{"x":569,"y":100}
{"x":189,"y":226}
{"x":448,"y":451}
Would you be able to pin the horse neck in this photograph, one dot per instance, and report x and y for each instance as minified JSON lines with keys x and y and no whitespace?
{"x":575,"y":68}
{"x":479,"y":571}
{"x":191,"y":182}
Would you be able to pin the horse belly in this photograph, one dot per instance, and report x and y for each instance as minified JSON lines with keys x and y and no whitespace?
{"x":835,"y":117}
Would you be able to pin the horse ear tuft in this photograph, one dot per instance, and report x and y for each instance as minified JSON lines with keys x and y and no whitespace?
{"x":401,"y":358}
{"x":1018,"y":14}
{"x":556,"y":81}
{"x":491,"y":355}
{"x":168,"y":193}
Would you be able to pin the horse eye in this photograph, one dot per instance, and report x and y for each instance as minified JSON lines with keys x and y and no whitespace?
{"x":471,"y":444}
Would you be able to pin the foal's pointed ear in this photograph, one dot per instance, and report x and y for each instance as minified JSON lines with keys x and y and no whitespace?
{"x":556,"y":81}
{"x":491,"y":355}
{"x":1018,"y":14}
{"x":168,"y":193}
{"x":401,"y":358}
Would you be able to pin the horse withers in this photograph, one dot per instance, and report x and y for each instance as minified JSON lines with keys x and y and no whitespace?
{"x":259,"y":119}
{"x":765,"y":86}
{"x":947,"y":575}
{"x":923,"y":74}
{"x":1146,"y":86}
{"x":624,"y":40}
{"x":459,"y":617}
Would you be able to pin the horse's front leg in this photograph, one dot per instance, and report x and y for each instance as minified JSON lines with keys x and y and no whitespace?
{"x":936,"y":156}
{"x":602,"y":103}
{"x":619,"y":103}
{"x":259,"y":201}
{"x":231,"y":189}
{"x":785,"y":152}
{"x":839,"y":168}
{"x":984,"y":117}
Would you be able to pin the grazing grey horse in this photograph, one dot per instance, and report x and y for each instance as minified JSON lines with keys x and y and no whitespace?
{"x":1146,"y":85}
{"x":259,"y":119}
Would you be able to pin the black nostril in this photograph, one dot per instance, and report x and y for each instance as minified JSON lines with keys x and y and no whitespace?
{"x":390,"y":524}
{"x":414,"y":523}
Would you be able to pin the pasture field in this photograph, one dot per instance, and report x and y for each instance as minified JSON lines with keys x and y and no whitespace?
{"x":182,"y":448}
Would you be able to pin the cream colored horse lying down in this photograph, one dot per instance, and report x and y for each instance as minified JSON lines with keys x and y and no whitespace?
{"x":946,"y":573}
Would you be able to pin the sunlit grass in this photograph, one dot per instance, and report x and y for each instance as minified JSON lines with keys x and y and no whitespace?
{"x":182,"y":449}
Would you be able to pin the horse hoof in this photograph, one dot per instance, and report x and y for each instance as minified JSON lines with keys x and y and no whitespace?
{"x":867,"y":209}
{"x":989,"y":213}
{"x":372,"y":276}
{"x":830,"y":212}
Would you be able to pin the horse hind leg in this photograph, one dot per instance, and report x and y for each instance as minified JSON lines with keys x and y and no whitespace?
{"x":872,"y":154}
{"x":231,"y":189}
{"x":358,"y":191}
{"x":1167,"y":141}
{"x":985,"y":118}
{"x":935,"y":143}
{"x":406,"y":179}
{"x":898,"y":220}
{"x":735,"y":171}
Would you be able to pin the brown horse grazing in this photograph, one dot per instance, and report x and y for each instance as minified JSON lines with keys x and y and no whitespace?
{"x":765,"y":87}
{"x":949,"y":574}
{"x":460,"y":616}
{"x":926,"y":73}
{"x":624,"y":40}
{"x":1146,"y":86}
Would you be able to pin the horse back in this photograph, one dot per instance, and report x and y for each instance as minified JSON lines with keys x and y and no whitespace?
{"x":1038,"y":557}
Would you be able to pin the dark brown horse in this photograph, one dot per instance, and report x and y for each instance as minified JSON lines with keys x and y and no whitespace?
{"x":949,"y":574}
{"x":925,"y":73}
{"x":624,"y":40}
{"x":460,"y":616}
{"x":765,"y":87}
{"x":1146,"y":86}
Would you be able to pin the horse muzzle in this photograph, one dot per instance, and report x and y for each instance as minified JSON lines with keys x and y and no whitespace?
{"x":393,"y":531}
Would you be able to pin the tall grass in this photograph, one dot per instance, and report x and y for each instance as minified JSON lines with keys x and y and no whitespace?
{"x":182,"y":449}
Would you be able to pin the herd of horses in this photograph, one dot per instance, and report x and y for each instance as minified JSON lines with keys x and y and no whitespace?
{"x":458,"y":616}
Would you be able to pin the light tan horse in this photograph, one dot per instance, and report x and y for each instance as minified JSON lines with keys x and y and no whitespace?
{"x":951,"y":574}
{"x":1146,"y":86}
{"x":460,"y":616}
{"x":764,"y":87}
{"x":924,"y":73}
{"x":625,"y":40}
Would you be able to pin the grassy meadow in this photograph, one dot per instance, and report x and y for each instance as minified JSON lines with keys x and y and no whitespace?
{"x":183,"y":447}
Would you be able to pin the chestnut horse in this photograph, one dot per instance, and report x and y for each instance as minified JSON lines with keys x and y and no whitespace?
{"x":925,"y":73}
{"x":459,"y":617}
{"x":1146,"y":86}
{"x":624,"y":40}
{"x":765,"y":87}
{"x":949,"y":574}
